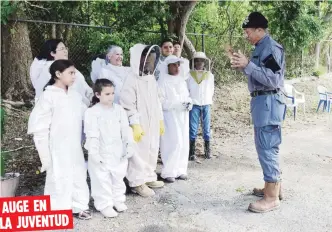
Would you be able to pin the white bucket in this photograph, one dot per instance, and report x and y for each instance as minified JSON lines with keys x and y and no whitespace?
{"x":9,"y":184}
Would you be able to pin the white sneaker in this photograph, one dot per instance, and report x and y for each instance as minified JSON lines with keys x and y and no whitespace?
{"x":109,"y":212}
{"x":120,"y":207}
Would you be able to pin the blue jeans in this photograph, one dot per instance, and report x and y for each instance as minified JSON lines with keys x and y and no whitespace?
{"x":197,"y":114}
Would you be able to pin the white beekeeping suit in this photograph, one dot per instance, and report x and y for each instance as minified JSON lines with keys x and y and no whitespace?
{"x":110,"y":143}
{"x":176,"y":104}
{"x":139,"y":97}
{"x":56,"y":126}
{"x":184,"y":68}
{"x":96,"y":67}
{"x":116,"y":74}
{"x":40,"y":76}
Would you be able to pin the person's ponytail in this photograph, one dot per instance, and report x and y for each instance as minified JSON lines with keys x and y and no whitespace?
{"x":94,"y":100}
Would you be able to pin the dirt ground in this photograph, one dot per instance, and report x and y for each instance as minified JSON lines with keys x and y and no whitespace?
{"x":217,"y":194}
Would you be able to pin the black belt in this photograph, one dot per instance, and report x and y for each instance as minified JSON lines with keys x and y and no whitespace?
{"x":261,"y":92}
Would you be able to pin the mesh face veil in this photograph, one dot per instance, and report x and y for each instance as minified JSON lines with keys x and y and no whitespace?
{"x":149,"y":59}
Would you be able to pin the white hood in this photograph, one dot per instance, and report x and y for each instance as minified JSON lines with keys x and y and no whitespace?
{"x":163,"y":68}
{"x":40,"y":74}
{"x":119,"y":71}
{"x":96,"y":67}
{"x":135,"y":57}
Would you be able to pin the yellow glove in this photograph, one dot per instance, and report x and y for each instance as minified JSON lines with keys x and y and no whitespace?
{"x":162,"y":127}
{"x":138,"y":132}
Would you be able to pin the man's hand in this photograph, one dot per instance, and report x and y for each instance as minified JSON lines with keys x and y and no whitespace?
{"x":239,"y":60}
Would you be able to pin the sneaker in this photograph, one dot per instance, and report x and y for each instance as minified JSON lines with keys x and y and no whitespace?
{"x":170,"y":179}
{"x":155,"y":184}
{"x":120,"y":207}
{"x":109,"y":212}
{"x":143,"y":191}
{"x":183,"y":177}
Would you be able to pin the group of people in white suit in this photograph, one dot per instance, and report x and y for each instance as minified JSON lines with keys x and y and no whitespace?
{"x":129,"y":115}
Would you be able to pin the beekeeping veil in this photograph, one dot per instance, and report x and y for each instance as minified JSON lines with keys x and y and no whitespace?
{"x":200,"y":57}
{"x":144,"y":59}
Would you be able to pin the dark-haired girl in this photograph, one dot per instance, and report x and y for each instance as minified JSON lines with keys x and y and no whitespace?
{"x":110,"y":143}
{"x":55,"y":49}
{"x":56,"y":126}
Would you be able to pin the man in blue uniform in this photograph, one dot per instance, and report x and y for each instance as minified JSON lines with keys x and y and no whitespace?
{"x":265,"y":71}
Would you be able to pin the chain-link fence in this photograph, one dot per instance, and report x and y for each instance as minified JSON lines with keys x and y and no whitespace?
{"x":77,"y":38}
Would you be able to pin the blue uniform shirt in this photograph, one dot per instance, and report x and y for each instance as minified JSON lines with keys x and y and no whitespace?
{"x":266,"y":68}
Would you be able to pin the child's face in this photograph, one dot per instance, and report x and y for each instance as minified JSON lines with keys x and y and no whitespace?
{"x":199,"y":64}
{"x":106,"y":97}
{"x":67,"y":77}
{"x":174,"y":69}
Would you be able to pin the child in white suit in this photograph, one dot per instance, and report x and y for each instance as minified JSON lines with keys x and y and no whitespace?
{"x":109,"y":142}
{"x":56,"y":125}
{"x":176,"y":103}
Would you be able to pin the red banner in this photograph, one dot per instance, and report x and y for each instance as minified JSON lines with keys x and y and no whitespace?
{"x":32,"y":213}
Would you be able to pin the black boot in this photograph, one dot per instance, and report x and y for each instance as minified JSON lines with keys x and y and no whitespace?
{"x":192,"y":156}
{"x":207,"y":150}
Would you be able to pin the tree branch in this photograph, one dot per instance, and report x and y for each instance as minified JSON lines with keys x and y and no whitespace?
{"x":33,"y":5}
{"x":17,"y":149}
{"x":15,"y":103}
{"x":184,"y":16}
{"x":188,"y":47}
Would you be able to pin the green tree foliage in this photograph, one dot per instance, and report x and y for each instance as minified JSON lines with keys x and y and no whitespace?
{"x":7,"y":9}
{"x":297,"y":25}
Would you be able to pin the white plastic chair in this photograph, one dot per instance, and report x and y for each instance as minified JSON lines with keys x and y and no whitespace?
{"x":293,"y":99}
{"x":325,"y":98}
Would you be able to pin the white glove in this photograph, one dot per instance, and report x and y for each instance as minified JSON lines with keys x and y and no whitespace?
{"x":189,"y":106}
{"x":44,"y":152}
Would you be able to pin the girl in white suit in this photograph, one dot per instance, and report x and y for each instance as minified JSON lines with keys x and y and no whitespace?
{"x":56,"y":126}
{"x":110,"y":143}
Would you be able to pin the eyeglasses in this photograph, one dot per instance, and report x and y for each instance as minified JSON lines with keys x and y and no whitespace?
{"x":169,"y":47}
{"x":62,"y":48}
{"x":248,"y":34}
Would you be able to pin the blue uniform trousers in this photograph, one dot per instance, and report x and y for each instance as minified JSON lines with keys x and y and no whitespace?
{"x":267,"y":111}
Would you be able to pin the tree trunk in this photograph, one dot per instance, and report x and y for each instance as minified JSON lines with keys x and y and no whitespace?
{"x":15,"y":66}
{"x":53,"y":31}
{"x":317,"y":55}
{"x":181,"y":11}
{"x":68,"y":33}
{"x":328,"y":58}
